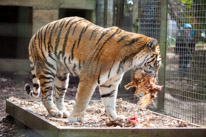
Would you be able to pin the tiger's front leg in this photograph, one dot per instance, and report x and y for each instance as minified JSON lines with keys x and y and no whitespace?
{"x":108,"y":92}
{"x":85,"y":90}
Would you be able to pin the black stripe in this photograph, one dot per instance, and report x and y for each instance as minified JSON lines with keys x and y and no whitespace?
{"x":124,"y":60}
{"x":69,"y":22}
{"x":110,"y":69}
{"x":44,"y":92}
{"x":49,"y":27}
{"x":58,"y":37}
{"x":45,"y":77}
{"x":66,"y":65}
{"x":50,"y":65}
{"x":122,"y":38}
{"x":100,"y":52}
{"x":93,"y":33}
{"x":50,"y":55}
{"x":144,"y":60}
{"x":60,"y":93}
{"x":151,"y":60}
{"x":107,"y":41}
{"x":80,"y":36}
{"x":128,"y":57}
{"x":111,"y":94}
{"x":48,"y":73}
{"x":58,"y":56}
{"x":97,"y":49}
{"x":74,"y":67}
{"x":48,"y":88}
{"x":33,"y":76}
{"x":83,"y":31}
{"x":79,"y":65}
{"x":104,"y":33}
{"x":40,"y":43}
{"x":69,"y":60}
{"x":45,"y":83}
{"x":99,"y":75}
{"x":35,"y":93}
{"x":36,"y":85}
{"x":106,"y":86}
{"x":45,"y":32}
{"x":49,"y":42}
{"x":61,"y":78}
{"x":75,"y":27}
{"x":67,"y":35}
{"x":132,"y":41}
{"x":59,"y":88}
{"x":72,"y":51}
{"x":28,"y":89}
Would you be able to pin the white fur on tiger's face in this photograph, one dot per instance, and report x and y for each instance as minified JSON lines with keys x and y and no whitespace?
{"x":99,"y":56}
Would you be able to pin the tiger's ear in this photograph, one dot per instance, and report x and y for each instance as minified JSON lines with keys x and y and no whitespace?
{"x":152,"y":44}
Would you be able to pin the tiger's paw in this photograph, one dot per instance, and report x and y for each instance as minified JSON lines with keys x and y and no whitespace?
{"x":65,"y":114}
{"x":120,"y":118}
{"x":56,"y":113}
{"x":116,"y":117}
{"x":76,"y":118}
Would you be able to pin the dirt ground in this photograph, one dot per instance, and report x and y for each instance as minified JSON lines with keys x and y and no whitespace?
{"x":12,"y":85}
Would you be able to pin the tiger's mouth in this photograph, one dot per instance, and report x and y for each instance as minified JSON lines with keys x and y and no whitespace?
{"x":150,"y":72}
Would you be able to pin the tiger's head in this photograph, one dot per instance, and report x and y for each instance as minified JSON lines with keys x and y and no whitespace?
{"x":149,"y":59}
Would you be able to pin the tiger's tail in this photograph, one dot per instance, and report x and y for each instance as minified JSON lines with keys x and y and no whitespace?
{"x":35,"y":90}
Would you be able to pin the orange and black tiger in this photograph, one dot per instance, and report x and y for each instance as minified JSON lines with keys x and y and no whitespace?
{"x":99,"y":56}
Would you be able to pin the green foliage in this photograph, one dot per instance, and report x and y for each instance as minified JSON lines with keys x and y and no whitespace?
{"x":187,"y":3}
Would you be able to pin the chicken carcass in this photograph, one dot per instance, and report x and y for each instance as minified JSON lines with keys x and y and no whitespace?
{"x":146,"y":83}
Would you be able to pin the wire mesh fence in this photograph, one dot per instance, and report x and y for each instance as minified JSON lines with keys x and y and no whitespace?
{"x":149,"y":18}
{"x":185,"y":85}
{"x":185,"y":95}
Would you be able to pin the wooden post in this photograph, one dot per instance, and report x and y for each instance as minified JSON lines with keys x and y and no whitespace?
{"x":162,"y":43}
{"x":120,"y":13}
{"x":105,"y":12}
{"x":110,"y":13}
{"x":135,"y":16}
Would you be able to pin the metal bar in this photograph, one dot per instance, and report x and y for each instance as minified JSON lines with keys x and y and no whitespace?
{"x":162,"y":43}
{"x":105,"y":12}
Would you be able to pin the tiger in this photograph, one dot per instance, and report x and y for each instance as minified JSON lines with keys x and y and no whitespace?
{"x":98,"y":56}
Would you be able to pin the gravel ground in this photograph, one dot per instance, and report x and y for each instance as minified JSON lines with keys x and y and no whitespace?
{"x":12,"y":85}
{"x":95,"y":115}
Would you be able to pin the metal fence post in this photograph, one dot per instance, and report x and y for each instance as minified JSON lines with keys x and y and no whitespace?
{"x":162,"y":43}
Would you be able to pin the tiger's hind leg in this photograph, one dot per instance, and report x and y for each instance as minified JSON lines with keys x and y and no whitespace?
{"x":46,"y":78}
{"x":86,"y":88}
{"x":108,"y":92}
{"x":61,"y":82}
